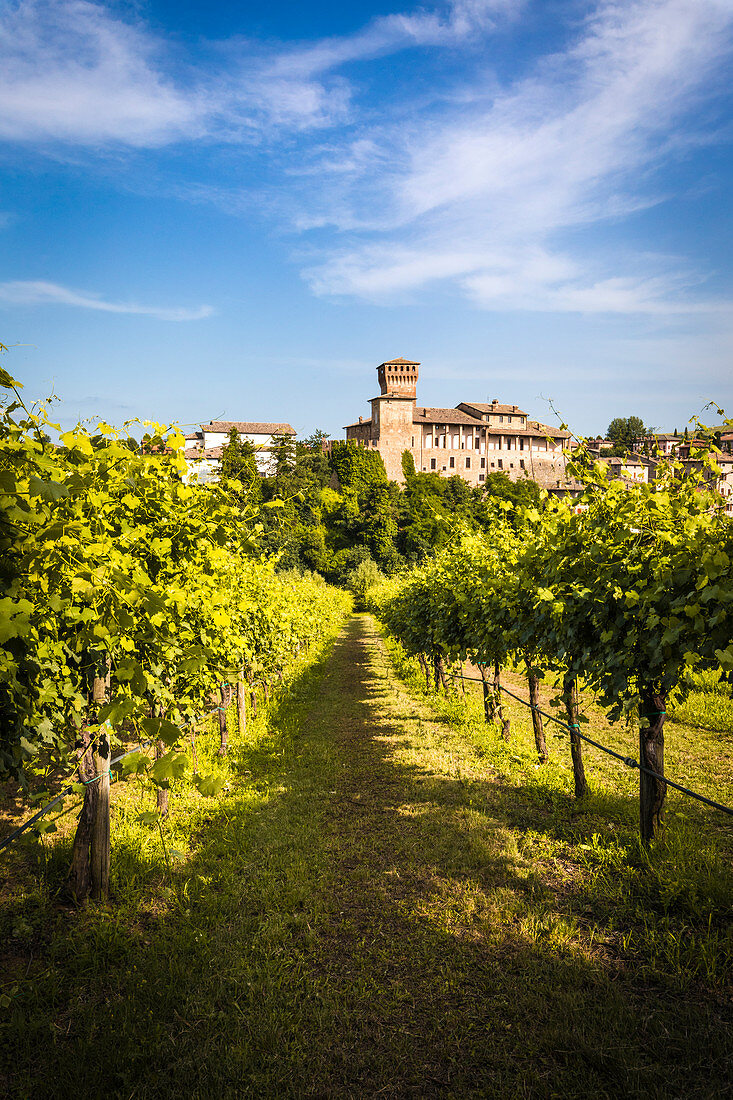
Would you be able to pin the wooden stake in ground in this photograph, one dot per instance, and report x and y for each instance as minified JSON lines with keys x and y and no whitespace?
{"x":252,"y":694}
{"x":241,"y":710}
{"x":652,"y":791}
{"x":161,"y":794}
{"x":570,"y":698}
{"x":92,"y":831}
{"x":100,"y":846}
{"x":487,"y":695}
{"x":498,"y":709}
{"x":426,"y":669}
{"x":223,"y":732}
{"x":537,"y":723}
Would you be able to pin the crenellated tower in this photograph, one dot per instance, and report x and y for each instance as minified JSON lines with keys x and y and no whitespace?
{"x":398,"y":378}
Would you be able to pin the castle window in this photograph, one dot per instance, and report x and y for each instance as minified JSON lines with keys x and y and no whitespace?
{"x":413,"y":441}
{"x":501,"y":464}
{"x":468,"y":463}
{"x":452,"y":463}
{"x":432,"y":463}
{"x":501,"y":419}
{"x":509,"y":420}
{"x":482,"y":477}
{"x":483,"y":463}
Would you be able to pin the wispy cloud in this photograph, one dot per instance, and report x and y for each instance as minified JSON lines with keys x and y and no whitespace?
{"x":474,"y":182}
{"x":72,"y":71}
{"x":31,"y":293}
{"x":483,"y":194}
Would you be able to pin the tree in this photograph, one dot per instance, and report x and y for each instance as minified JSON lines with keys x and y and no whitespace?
{"x":238,"y":463}
{"x":626,"y":432}
{"x":315,"y":441}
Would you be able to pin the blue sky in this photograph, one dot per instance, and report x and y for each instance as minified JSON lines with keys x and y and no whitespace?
{"x":223,"y":211}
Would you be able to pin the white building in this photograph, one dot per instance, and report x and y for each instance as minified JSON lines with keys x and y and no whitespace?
{"x":204,"y":447}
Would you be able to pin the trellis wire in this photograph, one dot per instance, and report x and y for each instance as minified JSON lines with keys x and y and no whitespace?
{"x":86,"y":782}
{"x":629,"y":761}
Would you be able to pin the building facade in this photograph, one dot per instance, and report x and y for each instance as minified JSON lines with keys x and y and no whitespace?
{"x":204,"y":447}
{"x":472,"y":440}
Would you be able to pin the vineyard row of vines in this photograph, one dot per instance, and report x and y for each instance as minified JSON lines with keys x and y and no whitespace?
{"x":126,"y":598}
{"x":624,"y":590}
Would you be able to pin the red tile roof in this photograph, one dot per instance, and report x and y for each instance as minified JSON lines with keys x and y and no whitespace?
{"x":193,"y":453}
{"x":423,"y":415}
{"x":400,"y":363}
{"x":248,"y":427}
{"x":494,"y":407}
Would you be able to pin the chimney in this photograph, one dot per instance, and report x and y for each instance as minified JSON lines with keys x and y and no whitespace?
{"x":361,"y":419}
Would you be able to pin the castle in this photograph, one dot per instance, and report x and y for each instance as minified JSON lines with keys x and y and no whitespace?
{"x":471,"y":440}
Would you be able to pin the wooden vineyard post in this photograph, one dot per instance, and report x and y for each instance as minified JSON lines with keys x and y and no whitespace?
{"x":537,"y":723}
{"x":223,"y":732}
{"x":424,"y":666}
{"x":252,"y":695}
{"x":100,"y":846}
{"x":80,"y":882}
{"x":652,"y":791}
{"x":161,"y":794}
{"x":570,"y":698}
{"x":80,"y":873}
{"x":436,"y":673}
{"x":241,"y":710}
{"x":441,"y":672}
{"x":463,"y":682}
{"x":485,"y":686}
{"x":499,"y":709}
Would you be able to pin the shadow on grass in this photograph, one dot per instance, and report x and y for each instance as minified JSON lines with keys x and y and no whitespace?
{"x":349,"y":925}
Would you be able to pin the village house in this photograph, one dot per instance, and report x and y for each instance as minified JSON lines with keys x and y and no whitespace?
{"x":204,"y":447}
{"x":471,"y":440}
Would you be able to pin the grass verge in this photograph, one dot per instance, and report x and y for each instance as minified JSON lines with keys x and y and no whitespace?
{"x":390,"y":902}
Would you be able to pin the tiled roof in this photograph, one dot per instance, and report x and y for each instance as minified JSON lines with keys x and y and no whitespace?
{"x":494,"y":407}
{"x":193,"y":453}
{"x":193,"y":435}
{"x":359,"y":423}
{"x":545,"y":429}
{"x":248,"y":426}
{"x":400,"y":363}
{"x":457,"y":416}
{"x":423,"y":415}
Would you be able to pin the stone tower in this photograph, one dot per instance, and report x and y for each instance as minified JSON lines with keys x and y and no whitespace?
{"x":393,"y":411}
{"x":398,"y":378}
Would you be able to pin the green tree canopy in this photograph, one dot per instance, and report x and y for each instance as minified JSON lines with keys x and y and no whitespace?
{"x":626,"y":432}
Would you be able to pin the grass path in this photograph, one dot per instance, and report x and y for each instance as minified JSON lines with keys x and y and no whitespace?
{"x":358,"y":918}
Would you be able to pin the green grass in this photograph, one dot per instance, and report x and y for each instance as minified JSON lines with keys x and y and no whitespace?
{"x":388,"y":901}
{"x":708,"y":703}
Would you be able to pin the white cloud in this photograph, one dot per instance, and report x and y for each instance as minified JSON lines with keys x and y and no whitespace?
{"x":73,"y":71}
{"x":473,"y":183}
{"x":484,"y":193}
{"x":21,"y":293}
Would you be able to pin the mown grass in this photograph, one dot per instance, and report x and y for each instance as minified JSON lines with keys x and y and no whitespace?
{"x":708,"y":703}
{"x":388,"y":901}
